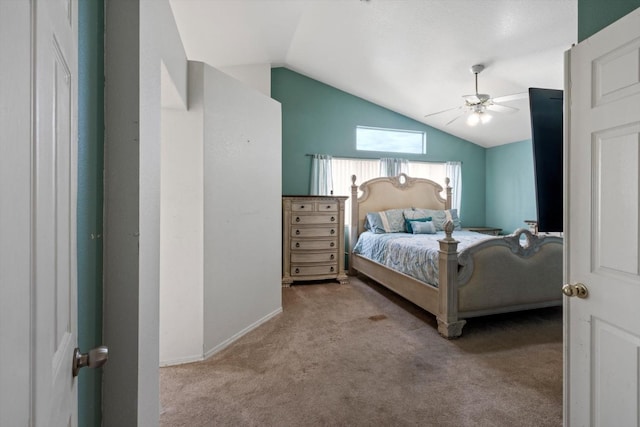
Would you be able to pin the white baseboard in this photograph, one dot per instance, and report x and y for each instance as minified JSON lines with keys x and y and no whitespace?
{"x":246,"y":330}
{"x":221,"y":346}
{"x":181,"y":360}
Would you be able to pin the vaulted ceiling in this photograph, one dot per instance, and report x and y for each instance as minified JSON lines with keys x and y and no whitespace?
{"x":410,"y":56}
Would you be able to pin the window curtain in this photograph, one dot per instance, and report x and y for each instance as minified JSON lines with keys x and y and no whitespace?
{"x":321,"y":175}
{"x":390,"y":166}
{"x":453,"y":171}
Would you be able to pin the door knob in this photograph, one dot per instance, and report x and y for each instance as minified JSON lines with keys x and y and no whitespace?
{"x":578,"y":290}
{"x":95,"y":358}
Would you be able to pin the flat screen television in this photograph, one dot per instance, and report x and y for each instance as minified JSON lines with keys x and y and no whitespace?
{"x":546,"y":106}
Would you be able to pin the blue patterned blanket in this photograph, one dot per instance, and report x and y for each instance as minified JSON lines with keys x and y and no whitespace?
{"x":413,"y":254}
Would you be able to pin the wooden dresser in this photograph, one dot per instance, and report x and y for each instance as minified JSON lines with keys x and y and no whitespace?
{"x":313,"y":238}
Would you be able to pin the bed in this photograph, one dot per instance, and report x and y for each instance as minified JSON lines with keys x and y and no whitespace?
{"x":487,"y":275}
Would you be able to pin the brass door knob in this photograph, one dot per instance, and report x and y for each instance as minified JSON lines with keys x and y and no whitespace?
{"x":578,"y":290}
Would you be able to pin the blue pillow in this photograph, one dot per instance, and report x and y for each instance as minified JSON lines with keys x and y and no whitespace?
{"x":391,"y":221}
{"x":425,"y":227}
{"x":439,"y":217}
{"x":408,"y":221}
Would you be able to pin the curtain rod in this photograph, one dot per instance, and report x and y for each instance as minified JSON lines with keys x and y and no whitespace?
{"x":378,"y":158}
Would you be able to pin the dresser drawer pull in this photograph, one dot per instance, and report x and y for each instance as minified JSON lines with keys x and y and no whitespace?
{"x":332,"y":244}
{"x":297,"y":232}
{"x":331,"y":269}
{"x":297,"y":244}
{"x":301,"y":206}
{"x":333,"y":218}
{"x":333,"y":231}
{"x":297,"y":219}
{"x":298,"y":270}
{"x":332,"y":257}
{"x":328,"y":206}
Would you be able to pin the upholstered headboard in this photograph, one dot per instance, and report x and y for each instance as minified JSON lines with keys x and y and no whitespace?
{"x":397,"y":192}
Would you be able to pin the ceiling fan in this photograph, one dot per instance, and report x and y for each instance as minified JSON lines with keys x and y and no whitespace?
{"x":478,"y":105}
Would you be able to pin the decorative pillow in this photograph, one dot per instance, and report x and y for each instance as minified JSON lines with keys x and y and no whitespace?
{"x":439,"y":217}
{"x":391,"y":221}
{"x":425,"y":227}
{"x":407,"y":222}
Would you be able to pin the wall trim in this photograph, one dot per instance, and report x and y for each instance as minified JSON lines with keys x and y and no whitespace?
{"x":181,"y":360}
{"x":224,"y":344}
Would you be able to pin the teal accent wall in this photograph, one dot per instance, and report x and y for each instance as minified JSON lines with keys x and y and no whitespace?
{"x":317,"y":118}
{"x":594,"y":15}
{"x":90,"y":191}
{"x":511,"y":197}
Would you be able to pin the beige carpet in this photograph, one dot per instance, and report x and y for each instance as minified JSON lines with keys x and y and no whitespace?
{"x":358,"y":355}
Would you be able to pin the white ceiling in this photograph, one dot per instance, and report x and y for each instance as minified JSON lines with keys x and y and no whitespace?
{"x":410,"y":56}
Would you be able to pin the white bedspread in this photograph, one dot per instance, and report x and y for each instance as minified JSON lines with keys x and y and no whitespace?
{"x":413,"y":254}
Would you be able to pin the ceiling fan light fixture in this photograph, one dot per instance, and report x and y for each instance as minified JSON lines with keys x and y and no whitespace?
{"x":485,"y":118}
{"x":473,"y":119}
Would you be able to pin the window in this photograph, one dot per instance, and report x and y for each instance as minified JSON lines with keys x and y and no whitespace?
{"x":366,"y":169}
{"x":433,"y":171}
{"x":390,"y":140}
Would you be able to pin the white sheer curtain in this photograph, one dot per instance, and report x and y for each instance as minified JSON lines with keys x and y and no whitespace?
{"x":343,"y":169}
{"x":321,"y":175}
{"x":433,"y":171}
{"x":453,"y":171}
{"x":390,"y":166}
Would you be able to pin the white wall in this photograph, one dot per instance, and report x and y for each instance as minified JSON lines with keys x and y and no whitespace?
{"x":181,"y":237}
{"x":15,"y":212}
{"x":242,"y":208}
{"x":224,"y":150}
{"x":257,"y":76}
{"x":140,"y":35}
{"x":120,"y":307}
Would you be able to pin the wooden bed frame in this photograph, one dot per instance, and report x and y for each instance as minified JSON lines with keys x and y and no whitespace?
{"x":517,"y":272}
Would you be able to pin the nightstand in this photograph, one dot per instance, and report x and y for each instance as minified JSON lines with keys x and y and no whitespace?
{"x":485,"y":230}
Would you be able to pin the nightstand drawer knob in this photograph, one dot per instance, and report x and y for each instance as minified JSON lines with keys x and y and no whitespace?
{"x":297,"y":219}
{"x":297,"y":270}
{"x":297,"y":232}
{"x":332,"y":257}
{"x":331,"y":269}
{"x":333,"y":231}
{"x":333,"y":218}
{"x":332,"y":244}
{"x":297,"y":244}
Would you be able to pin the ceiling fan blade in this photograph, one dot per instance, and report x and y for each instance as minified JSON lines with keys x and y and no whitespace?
{"x":512,"y":97}
{"x":498,"y":108}
{"x":454,"y":119}
{"x":443,"y":111}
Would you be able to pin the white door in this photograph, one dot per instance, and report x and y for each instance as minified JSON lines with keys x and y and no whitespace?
{"x":54,"y":170}
{"x":602,"y":337}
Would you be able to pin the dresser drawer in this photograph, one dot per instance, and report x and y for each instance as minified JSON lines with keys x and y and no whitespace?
{"x":318,"y":257}
{"x":303,"y":206}
{"x":305,"y":245}
{"x":313,"y":270}
{"x":314,"y":232}
{"x":327,"y":207}
{"x":314,"y":219}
